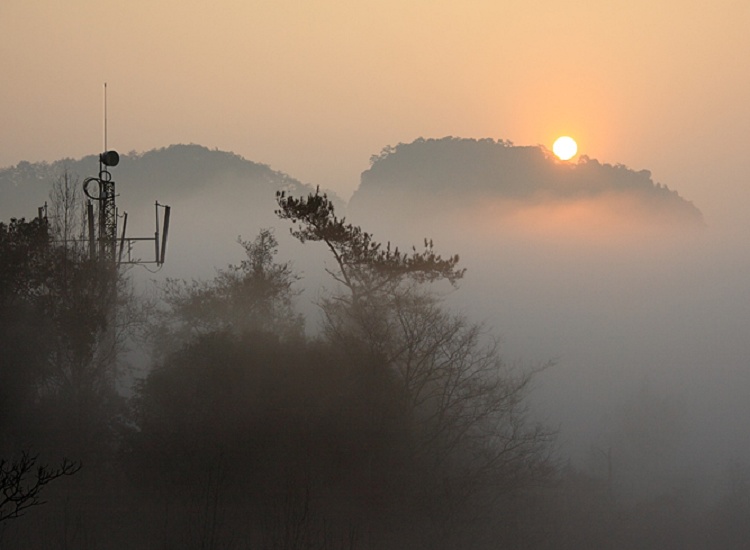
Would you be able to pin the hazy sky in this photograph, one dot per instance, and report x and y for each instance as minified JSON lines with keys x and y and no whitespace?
{"x":314,"y":88}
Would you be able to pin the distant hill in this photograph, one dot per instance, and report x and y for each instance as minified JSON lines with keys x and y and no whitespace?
{"x":215,"y":196}
{"x":168,"y":174}
{"x":435,"y":178}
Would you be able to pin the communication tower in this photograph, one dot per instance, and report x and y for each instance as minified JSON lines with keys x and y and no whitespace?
{"x":103,"y":240}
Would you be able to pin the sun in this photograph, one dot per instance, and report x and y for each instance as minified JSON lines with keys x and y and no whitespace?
{"x":565,"y":148}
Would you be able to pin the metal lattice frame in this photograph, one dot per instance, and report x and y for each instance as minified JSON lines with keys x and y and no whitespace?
{"x":105,"y":235}
{"x":107,"y":220}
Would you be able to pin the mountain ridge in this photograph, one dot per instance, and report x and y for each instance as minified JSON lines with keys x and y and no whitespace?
{"x":169,"y":173}
{"x":450,"y":173}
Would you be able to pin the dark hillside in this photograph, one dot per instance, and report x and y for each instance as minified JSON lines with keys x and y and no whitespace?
{"x":439,"y":178}
{"x":169,"y":174}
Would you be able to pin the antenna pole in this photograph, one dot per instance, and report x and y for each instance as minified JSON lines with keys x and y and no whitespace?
{"x":105,"y":116}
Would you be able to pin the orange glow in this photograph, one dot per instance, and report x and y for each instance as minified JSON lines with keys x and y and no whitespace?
{"x":603,"y":219}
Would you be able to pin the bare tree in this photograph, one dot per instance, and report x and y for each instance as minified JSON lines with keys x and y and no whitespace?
{"x":22,"y":482}
{"x":66,"y":211}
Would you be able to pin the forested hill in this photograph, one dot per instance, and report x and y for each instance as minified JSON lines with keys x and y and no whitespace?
{"x":438,"y":175}
{"x":169,"y":174}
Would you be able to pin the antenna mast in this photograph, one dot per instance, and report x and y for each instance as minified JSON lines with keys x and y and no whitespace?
{"x":104,"y":195}
{"x":105,"y":116}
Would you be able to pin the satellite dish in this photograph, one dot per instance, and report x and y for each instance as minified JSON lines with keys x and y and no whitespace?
{"x":109,"y":158}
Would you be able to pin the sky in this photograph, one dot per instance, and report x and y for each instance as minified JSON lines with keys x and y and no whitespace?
{"x":315,"y":88}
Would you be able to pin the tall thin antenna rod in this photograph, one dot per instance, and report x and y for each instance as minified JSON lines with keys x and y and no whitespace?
{"x":105,"y":116}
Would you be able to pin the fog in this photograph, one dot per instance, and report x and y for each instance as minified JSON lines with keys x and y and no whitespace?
{"x":633,"y":301}
{"x":639,"y":302}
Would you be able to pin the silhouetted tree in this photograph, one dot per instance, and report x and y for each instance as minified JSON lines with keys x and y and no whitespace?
{"x":363,"y":265}
{"x":466,"y":410}
{"x":22,"y":482}
{"x":92,"y":310}
{"x":256,"y":294}
{"x":65,"y":315}
{"x":373,"y":275}
{"x":24,"y":328}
